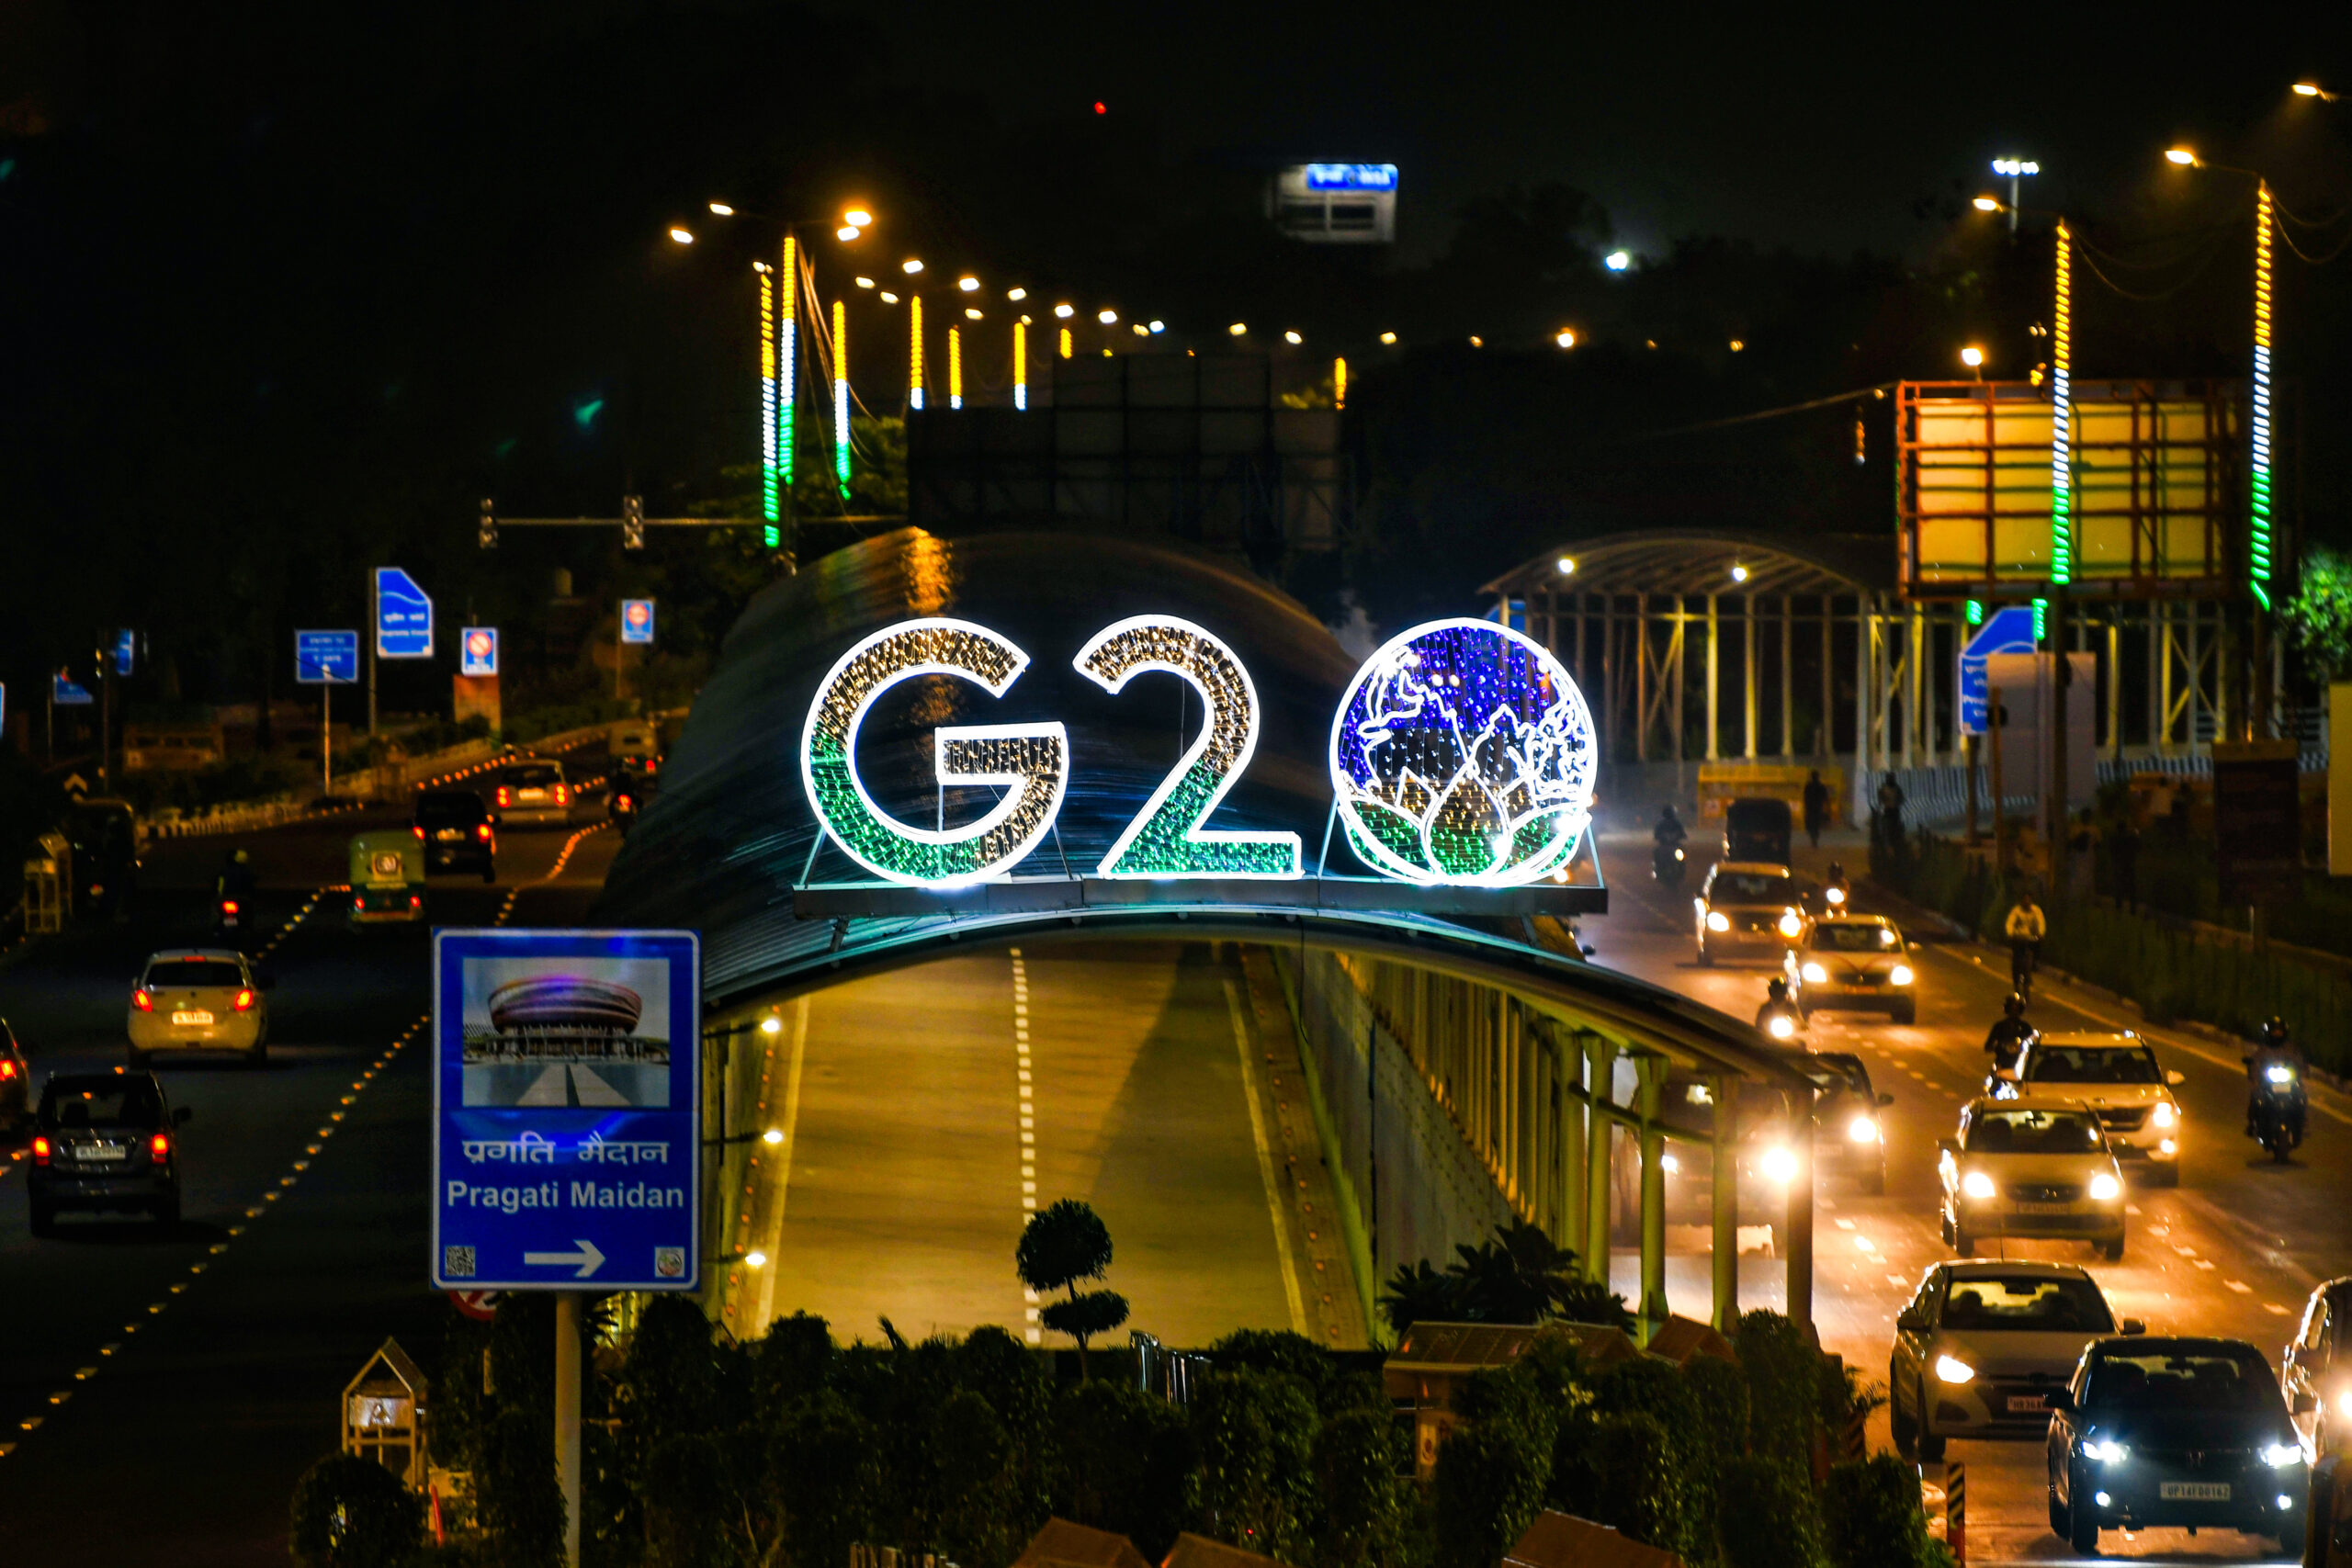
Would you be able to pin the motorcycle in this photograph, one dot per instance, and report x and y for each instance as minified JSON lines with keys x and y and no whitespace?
{"x":228,"y":915}
{"x":1835,"y":897}
{"x":1666,"y":864}
{"x":2279,"y":1105}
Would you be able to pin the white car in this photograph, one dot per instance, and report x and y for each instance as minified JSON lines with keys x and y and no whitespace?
{"x":2117,"y":1075}
{"x":535,"y":792}
{"x":1982,"y":1345}
{"x":1853,"y":961}
{"x":1746,"y":909}
{"x":2039,"y":1171}
{"x":199,"y":999}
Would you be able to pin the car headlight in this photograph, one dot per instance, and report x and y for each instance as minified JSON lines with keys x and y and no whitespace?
{"x":1781,"y":1027}
{"x":2104,"y":1187}
{"x":2164,"y":1115}
{"x":1953,"y":1370}
{"x":1717,"y":920}
{"x":2279,"y":1456}
{"x":1837,"y":895}
{"x":1976,"y":1184}
{"x":1670,"y":1163}
{"x":2278,"y":1075}
{"x":1779,"y":1164}
{"x":1791,"y":923}
{"x":1863,"y":1130}
{"x":1902,"y":975}
{"x":2107,"y":1450}
{"x":1814,"y":972}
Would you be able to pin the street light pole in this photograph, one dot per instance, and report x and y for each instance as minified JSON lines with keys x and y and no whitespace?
{"x":2017,"y":169}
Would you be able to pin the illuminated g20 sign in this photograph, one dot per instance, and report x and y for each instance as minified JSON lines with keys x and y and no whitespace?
{"x":1463,"y":754}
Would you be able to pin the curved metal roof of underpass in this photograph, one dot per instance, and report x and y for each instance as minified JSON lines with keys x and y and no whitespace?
{"x":1695,"y":560}
{"x":730,"y":836}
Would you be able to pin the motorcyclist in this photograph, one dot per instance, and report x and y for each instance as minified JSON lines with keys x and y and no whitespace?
{"x":2275,"y":1047}
{"x":1778,"y":1016}
{"x":236,"y":879}
{"x":2011,"y":1035}
{"x":1670,"y":833}
{"x":1835,"y":891}
{"x":2025,"y":928}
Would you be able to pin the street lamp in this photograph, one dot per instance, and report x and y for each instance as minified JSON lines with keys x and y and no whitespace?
{"x":1618,"y":261}
{"x":2314,"y":90}
{"x":681,"y":236}
{"x":1974,"y":357}
{"x":2017,"y":169}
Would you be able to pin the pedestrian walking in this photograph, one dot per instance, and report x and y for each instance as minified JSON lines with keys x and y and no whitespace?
{"x":1817,"y":807}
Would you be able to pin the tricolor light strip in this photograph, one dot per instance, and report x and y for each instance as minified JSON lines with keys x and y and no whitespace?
{"x":840,"y":395}
{"x":1020,"y":365}
{"x":787,"y":368}
{"x":914,"y":352}
{"x":769,"y":508}
{"x":955,"y":368}
{"x":2258,"y":539}
{"x":2062,"y":342}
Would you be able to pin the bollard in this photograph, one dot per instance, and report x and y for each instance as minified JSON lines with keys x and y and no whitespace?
{"x":1956,"y":1512}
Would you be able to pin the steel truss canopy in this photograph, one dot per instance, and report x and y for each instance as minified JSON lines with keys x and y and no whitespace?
{"x":1670,"y":561}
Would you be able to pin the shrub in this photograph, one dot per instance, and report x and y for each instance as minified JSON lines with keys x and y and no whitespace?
{"x":1765,"y":1515}
{"x":353,"y":1513}
{"x":1363,"y":1506}
{"x":1123,"y":1458}
{"x":1645,"y":1486}
{"x":1783,"y":1388}
{"x":1254,"y":1481}
{"x":1719,"y":1388}
{"x":1871,"y":1517}
{"x":1490,"y":1484}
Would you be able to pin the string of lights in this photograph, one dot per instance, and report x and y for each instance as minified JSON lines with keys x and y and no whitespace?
{"x":2061,"y":350}
{"x":2258,"y":540}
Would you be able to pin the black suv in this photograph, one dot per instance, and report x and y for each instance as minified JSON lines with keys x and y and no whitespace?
{"x":105,"y":1141}
{"x":458,"y":831}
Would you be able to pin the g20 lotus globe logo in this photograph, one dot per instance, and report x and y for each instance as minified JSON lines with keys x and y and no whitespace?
{"x":1464,"y":753}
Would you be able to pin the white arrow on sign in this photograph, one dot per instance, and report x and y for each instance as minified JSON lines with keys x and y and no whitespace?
{"x":588,"y":1257}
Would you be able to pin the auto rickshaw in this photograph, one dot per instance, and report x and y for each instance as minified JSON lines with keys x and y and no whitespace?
{"x":387,"y":876}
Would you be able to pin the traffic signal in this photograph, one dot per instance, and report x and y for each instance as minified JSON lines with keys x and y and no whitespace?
{"x":486,"y":532}
{"x":632,"y":523}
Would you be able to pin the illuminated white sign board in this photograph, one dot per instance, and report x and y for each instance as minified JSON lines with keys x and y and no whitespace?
{"x":1462,"y":755}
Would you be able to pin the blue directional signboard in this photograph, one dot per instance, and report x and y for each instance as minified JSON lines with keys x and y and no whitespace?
{"x":637,"y":620}
{"x":566,"y":1110}
{"x":67,"y":693}
{"x":478,"y":651}
{"x":403,"y":617}
{"x":326,"y":658}
{"x":126,"y":650}
{"x":2008,"y":630}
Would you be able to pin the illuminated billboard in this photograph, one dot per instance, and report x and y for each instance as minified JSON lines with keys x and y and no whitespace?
{"x":1346,"y":204}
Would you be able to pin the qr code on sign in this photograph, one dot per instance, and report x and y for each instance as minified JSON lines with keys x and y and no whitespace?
{"x":458,"y":1262}
{"x":669,"y":1263}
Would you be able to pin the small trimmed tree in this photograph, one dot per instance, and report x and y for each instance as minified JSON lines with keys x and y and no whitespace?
{"x":1060,"y":1247}
{"x":353,"y":1513}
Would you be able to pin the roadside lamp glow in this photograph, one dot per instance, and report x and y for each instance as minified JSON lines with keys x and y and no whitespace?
{"x":846,"y":234}
{"x":1388,"y":338}
{"x":968,"y":284}
{"x":755,"y":1261}
{"x":1293,"y":338}
{"x":857,"y":218}
{"x":1065,"y":312}
{"x":1971,"y":357}
{"x":772,"y":1136}
{"x":970,"y":314}
{"x":1016,"y":295}
{"x":888,"y":298}
{"x":2184,"y":157}
{"x":865,"y":283}
{"x":1739,"y":574}
{"x":1618,"y":261}
{"x":1238,"y":329}
{"x":1565,"y":337}
{"x":2307,"y":89}
{"x":722,"y":210}
{"x":1567,"y":566}
{"x":1986,"y":204}
{"x":772,"y":1025}
{"x":1108,"y":318}
{"x":682,"y":236}
{"x":1738,"y":345}
{"x":911,"y":266}
{"x":1139,"y":329}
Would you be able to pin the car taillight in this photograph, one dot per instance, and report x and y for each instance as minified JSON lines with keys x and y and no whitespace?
{"x":245,"y":998}
{"x":159,"y":1147}
{"x":506,"y":795}
{"x":41,"y":1149}
{"x":652,"y":765}
{"x":143,"y":1000}
{"x":481,"y":831}
{"x":417,"y":827}
{"x":563,"y":794}
{"x":359,"y":903}
{"x":415,"y":900}
{"x":227,"y":905}
{"x":8,"y":1070}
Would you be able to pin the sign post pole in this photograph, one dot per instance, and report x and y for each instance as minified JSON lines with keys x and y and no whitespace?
{"x":567,"y":1418}
{"x":375,"y":622}
{"x":326,"y":737}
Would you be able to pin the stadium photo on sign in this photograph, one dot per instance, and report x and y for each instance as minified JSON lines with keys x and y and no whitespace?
{"x":580,"y":1032}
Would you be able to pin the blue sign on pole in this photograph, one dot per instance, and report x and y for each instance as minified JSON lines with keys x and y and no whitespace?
{"x":326,"y":658}
{"x":403,"y":617}
{"x":126,"y":650}
{"x":2008,"y":630}
{"x":478,"y":651}
{"x":66,"y":692}
{"x":637,"y":620}
{"x":566,"y":1110}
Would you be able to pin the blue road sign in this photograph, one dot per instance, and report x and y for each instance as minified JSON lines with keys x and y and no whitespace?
{"x":66,"y":692}
{"x":403,"y":617}
{"x":637,"y":620}
{"x":126,"y":650}
{"x":326,"y":659}
{"x":566,"y":1110}
{"x":2008,"y":630}
{"x":478,"y":651}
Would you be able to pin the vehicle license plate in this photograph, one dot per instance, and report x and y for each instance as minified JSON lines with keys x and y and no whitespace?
{"x":2042,"y":1208}
{"x":197,"y":1016}
{"x":448,"y":835}
{"x":2028,"y":1405}
{"x":531,"y":794}
{"x":2193,"y":1491}
{"x":102,"y":1151}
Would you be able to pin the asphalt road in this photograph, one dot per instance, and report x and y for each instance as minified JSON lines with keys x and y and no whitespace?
{"x":2233,"y":1250}
{"x":928,"y":1114}
{"x":163,"y":1391}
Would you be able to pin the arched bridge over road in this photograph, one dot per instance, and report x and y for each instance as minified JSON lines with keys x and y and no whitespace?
{"x":1464,"y":1061}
